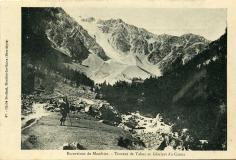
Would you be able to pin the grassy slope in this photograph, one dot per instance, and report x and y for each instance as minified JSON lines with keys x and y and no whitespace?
{"x":85,"y":130}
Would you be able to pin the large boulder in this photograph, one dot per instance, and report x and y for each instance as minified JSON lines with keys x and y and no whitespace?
{"x":110,"y":115}
{"x":130,"y":143}
{"x":104,"y":111}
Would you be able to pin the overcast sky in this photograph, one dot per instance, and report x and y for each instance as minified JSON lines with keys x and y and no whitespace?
{"x":210,"y":23}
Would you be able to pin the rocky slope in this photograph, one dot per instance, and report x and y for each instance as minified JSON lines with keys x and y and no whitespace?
{"x":161,"y":50}
{"x":131,"y":47}
{"x":119,"y":66}
{"x":63,"y":33}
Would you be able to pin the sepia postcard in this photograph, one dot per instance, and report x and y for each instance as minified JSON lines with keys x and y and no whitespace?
{"x":109,"y":79}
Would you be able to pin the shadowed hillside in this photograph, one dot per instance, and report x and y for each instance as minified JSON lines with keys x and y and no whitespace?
{"x":192,"y":96}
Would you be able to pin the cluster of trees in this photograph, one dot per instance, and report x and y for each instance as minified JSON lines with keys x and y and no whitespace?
{"x":48,"y":77}
{"x":75,"y":76}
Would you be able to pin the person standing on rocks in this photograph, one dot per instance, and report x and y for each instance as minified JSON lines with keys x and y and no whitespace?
{"x":65,"y":109}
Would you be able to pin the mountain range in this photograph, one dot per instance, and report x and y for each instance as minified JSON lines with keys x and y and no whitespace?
{"x":112,"y":50}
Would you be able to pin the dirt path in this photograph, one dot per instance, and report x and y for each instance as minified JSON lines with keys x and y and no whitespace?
{"x":38,"y":111}
{"x":46,"y":133}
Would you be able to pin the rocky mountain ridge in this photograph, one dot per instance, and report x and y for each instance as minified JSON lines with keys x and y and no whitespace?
{"x":64,"y":33}
{"x":106,"y":50}
{"x":160,"y":50}
{"x":146,"y":53}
